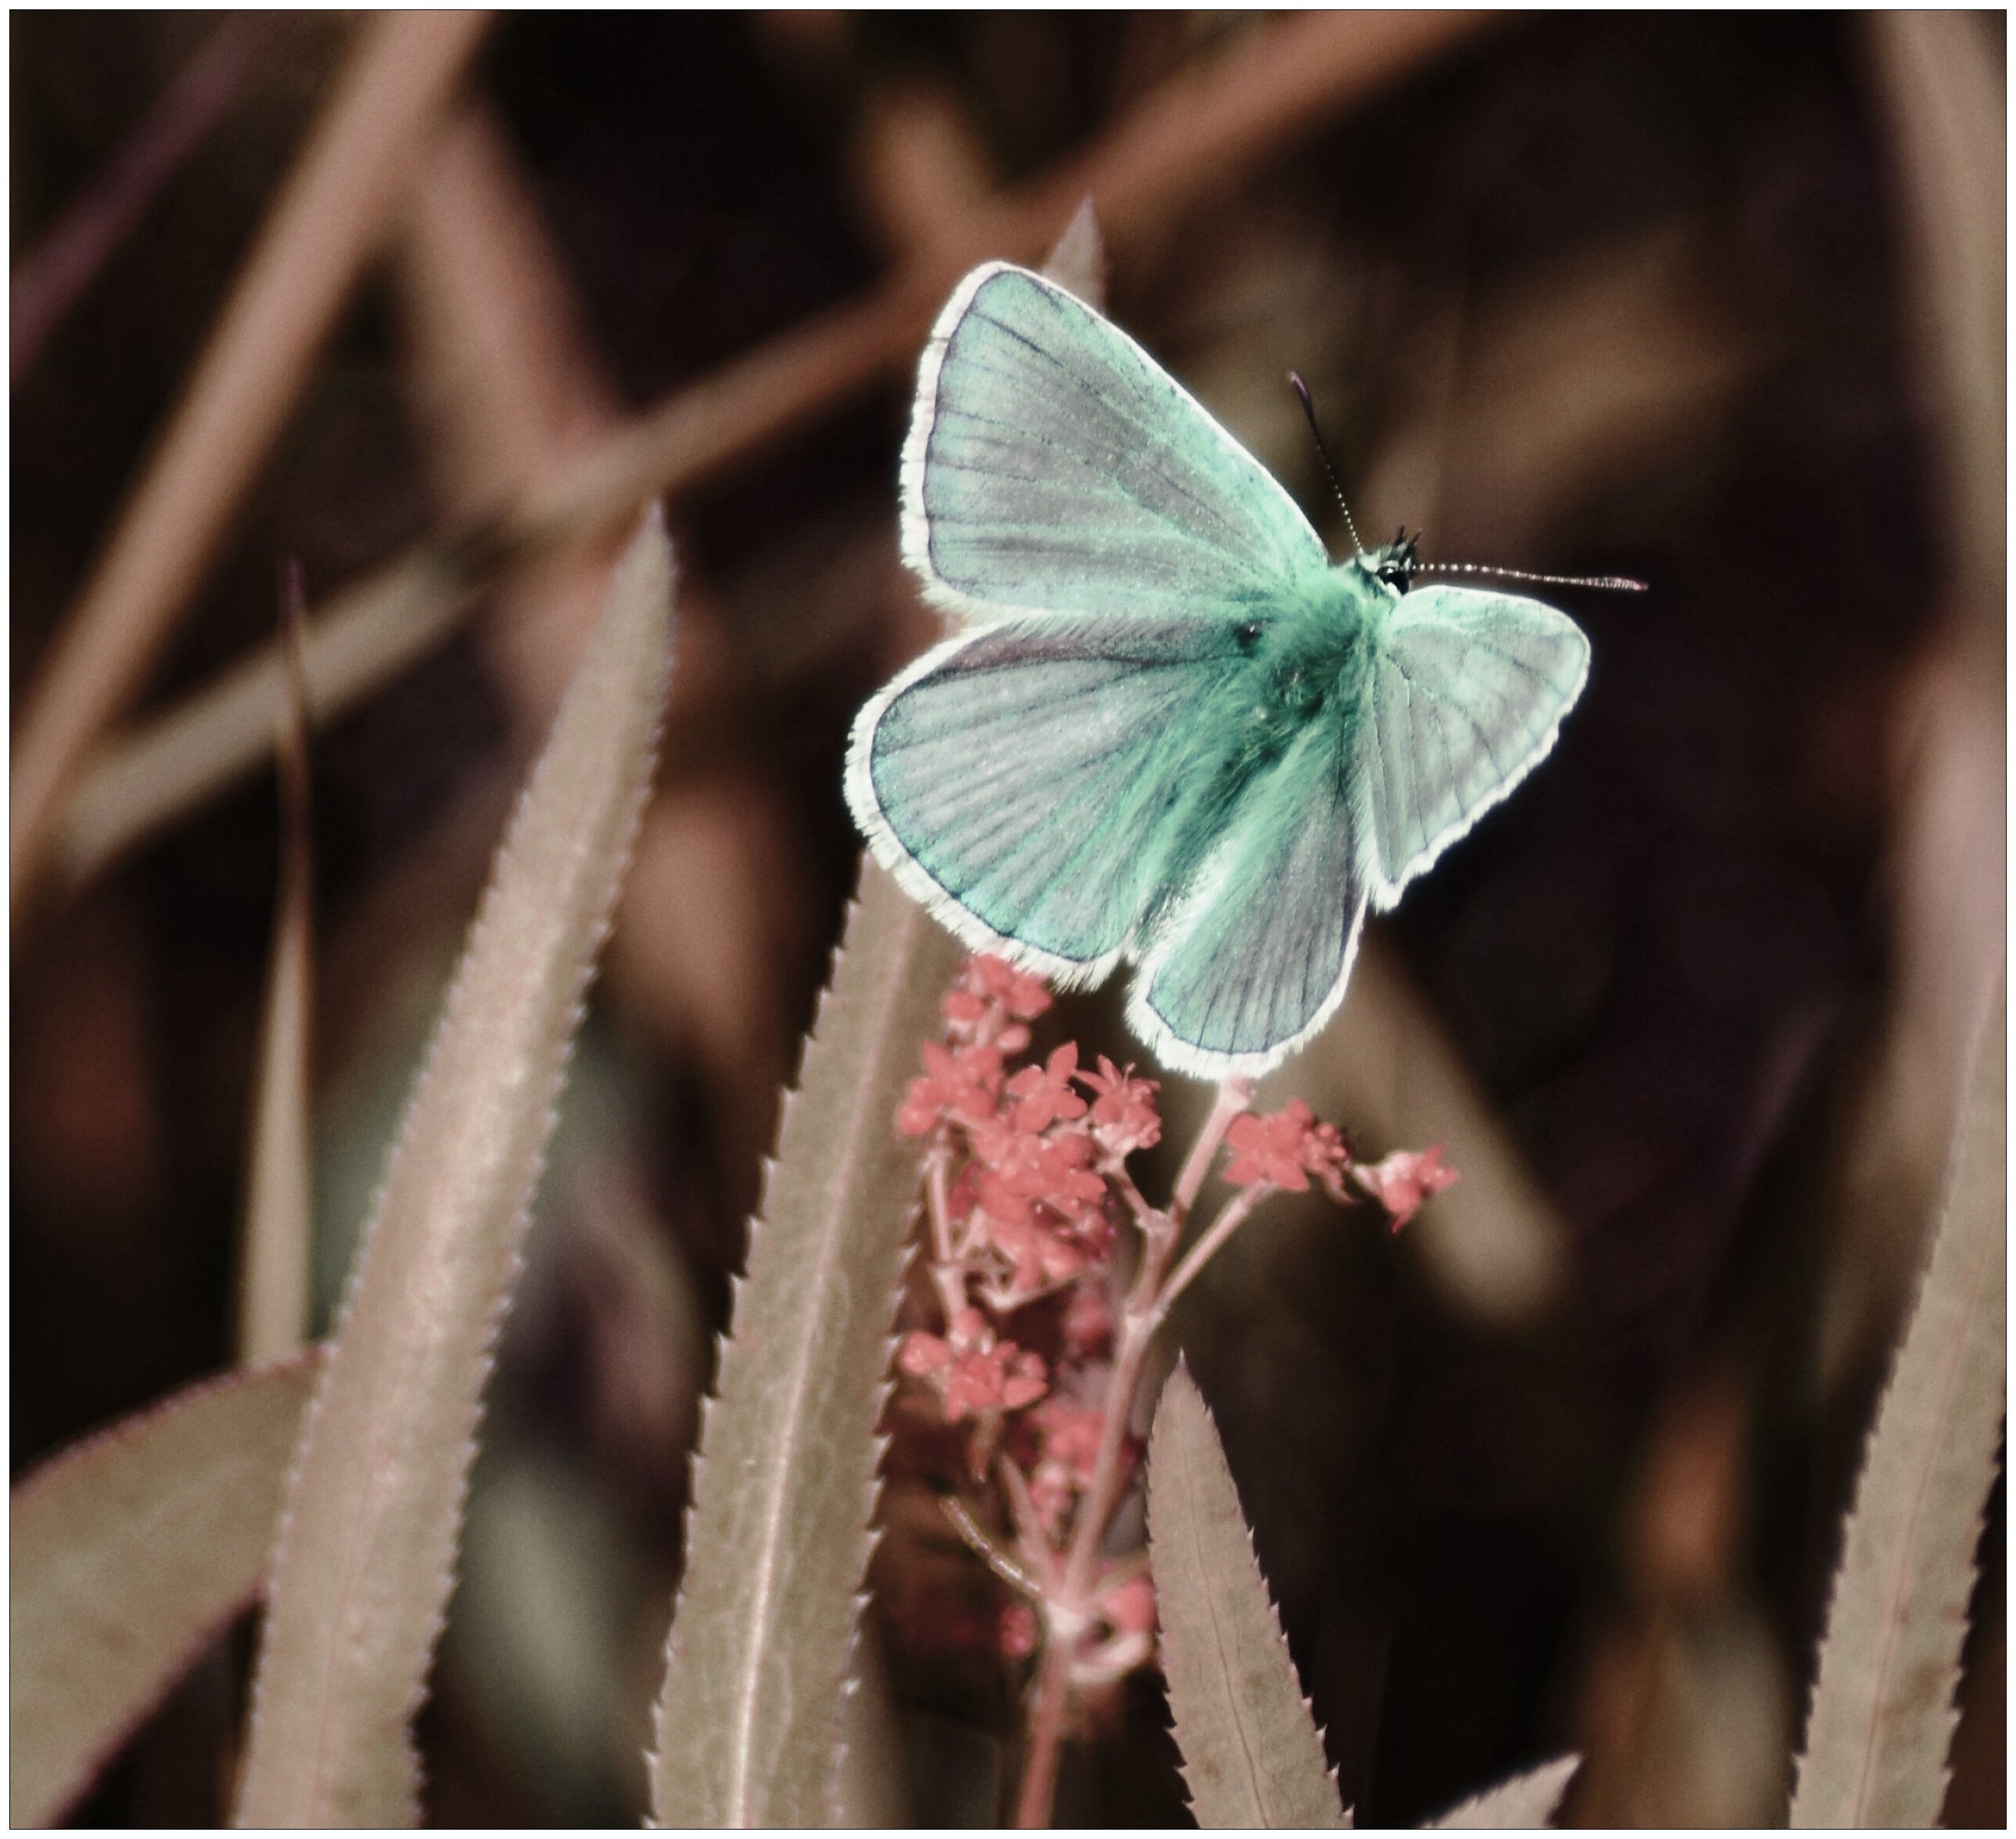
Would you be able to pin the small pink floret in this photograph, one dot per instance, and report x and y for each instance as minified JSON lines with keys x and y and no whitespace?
{"x":1401,"y":1181}
{"x":1284,"y":1148}
{"x":1023,"y":996}
{"x":971,"y":1370}
{"x":1043,"y":1094}
{"x":1124,"y":1117}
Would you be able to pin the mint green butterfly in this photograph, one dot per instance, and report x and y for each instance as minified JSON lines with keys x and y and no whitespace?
{"x":1175,"y":735}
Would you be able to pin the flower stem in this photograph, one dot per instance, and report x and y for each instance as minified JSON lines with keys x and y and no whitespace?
{"x":1231,"y":1216}
{"x":945,"y":1271}
{"x":1233,"y":1096}
{"x":1039,"y":1788}
{"x":1005,"y":1566}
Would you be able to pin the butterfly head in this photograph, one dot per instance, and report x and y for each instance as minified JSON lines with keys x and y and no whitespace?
{"x":1396,"y":563}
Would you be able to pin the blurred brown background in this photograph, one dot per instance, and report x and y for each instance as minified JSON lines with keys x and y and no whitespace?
{"x":1705,"y":299}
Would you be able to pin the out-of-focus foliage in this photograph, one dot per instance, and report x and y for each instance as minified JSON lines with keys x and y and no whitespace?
{"x":126,"y":1556}
{"x":1675,"y":296}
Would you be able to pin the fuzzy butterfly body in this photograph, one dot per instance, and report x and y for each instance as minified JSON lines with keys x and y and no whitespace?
{"x":1174,"y":733}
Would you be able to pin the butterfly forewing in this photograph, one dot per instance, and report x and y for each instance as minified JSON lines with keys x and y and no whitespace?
{"x":1034,"y":773}
{"x":1465,"y":697}
{"x":1053,"y":467}
{"x":1253,"y":959}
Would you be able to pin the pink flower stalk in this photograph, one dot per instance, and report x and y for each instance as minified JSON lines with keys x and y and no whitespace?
{"x":1402,"y":1181}
{"x":1028,"y":1188}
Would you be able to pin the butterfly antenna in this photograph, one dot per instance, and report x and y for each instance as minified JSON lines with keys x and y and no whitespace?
{"x":1620,"y":584}
{"x":1309,"y":409}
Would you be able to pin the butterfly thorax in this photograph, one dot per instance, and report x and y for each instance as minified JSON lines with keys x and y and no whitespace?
{"x":1295,"y":678}
{"x":1307,"y":655}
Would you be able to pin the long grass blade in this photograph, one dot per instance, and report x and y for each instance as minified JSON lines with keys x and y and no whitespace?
{"x":1526,"y":1801}
{"x":1882,"y":1715}
{"x":1252,"y":1754}
{"x":1939,"y":80}
{"x":749,"y":1723}
{"x":129,"y":1552}
{"x":274,"y":1285}
{"x":364,"y":1567}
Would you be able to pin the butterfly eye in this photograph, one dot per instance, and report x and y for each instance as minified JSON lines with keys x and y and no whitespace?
{"x":1247,"y":637}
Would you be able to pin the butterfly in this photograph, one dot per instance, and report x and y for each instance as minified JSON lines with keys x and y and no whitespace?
{"x":1173,"y":734}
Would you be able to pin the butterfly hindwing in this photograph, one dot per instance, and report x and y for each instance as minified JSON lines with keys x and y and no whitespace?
{"x":1054,"y":468}
{"x":1465,"y":695}
{"x":1026,"y":780}
{"x":1253,"y":959}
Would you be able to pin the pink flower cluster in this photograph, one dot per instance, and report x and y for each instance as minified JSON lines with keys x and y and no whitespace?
{"x":971,"y":1369}
{"x":1028,"y":1186}
{"x":1027,"y":1206}
{"x":1021,"y":1161}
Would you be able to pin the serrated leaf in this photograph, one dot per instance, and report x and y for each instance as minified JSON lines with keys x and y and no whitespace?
{"x":128,"y":1552}
{"x":1526,"y":1801}
{"x":1882,"y":1715}
{"x":1252,"y":1755}
{"x":364,"y":1567}
{"x":783,"y":1487}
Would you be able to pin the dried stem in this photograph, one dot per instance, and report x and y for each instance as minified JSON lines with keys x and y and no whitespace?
{"x":337,"y":202}
{"x":1004,"y":1565}
{"x":48,"y":279}
{"x":274,"y":1297}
